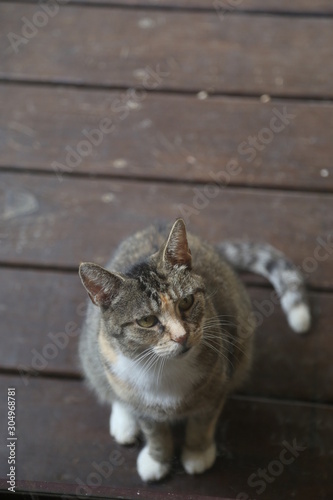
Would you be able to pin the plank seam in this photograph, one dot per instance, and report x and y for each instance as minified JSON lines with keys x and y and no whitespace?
{"x":165,"y":180}
{"x":190,"y":9}
{"x":306,"y":98}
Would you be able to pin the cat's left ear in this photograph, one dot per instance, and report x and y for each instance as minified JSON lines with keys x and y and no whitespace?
{"x":102,"y":286}
{"x":176,"y":250}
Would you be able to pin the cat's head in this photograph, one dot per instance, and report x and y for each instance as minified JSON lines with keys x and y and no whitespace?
{"x":158,"y":305}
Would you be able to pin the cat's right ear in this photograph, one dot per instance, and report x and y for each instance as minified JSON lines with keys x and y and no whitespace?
{"x":102,"y":285}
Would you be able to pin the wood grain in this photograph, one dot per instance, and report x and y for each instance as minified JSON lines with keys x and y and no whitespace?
{"x":47,"y":222}
{"x":168,"y":137}
{"x":49,"y":309}
{"x":41,"y":336}
{"x":63,"y":432}
{"x":245,"y":55}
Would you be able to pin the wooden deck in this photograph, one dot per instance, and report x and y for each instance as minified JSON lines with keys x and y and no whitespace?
{"x":118,"y":114}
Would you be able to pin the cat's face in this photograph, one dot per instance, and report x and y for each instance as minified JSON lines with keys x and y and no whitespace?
{"x":164,"y":314}
{"x":157,"y":307}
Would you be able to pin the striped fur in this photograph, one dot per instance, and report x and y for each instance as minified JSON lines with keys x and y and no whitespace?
{"x":267,"y":261}
{"x":184,"y":365}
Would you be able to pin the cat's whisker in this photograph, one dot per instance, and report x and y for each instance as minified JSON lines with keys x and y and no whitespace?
{"x":217,"y":351}
{"x":151,"y":366}
{"x":217,"y":342}
{"x":143,"y":362}
{"x":212,"y":294}
{"x":220,"y":322}
{"x":148,"y":363}
{"x":160,"y":371}
{"x":226,"y":340}
{"x":212,"y":336}
{"x":138,"y":360}
{"x":220,"y":325}
{"x":222,"y":316}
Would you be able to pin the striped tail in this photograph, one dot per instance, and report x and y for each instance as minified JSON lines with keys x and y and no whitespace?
{"x":288,"y":282}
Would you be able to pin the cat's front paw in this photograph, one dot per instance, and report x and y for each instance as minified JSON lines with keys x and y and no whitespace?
{"x":150,"y":469}
{"x":123,"y":426}
{"x":196,"y":462}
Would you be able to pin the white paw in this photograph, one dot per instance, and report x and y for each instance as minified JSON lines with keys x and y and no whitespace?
{"x":123,"y":426}
{"x":149,"y":469}
{"x":299,"y":318}
{"x":196,"y":462}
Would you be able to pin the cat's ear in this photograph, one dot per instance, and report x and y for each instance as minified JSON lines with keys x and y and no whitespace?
{"x":102,"y":286}
{"x":176,"y":250}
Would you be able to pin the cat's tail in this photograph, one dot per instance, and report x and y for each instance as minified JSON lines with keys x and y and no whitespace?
{"x":288,"y":282}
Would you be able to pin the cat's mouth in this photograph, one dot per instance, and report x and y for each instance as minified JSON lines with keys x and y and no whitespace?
{"x":177,"y":353}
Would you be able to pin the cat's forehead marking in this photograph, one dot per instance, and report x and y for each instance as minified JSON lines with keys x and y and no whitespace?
{"x":166,"y":301}
{"x":167,"y":306}
{"x":149,"y":280}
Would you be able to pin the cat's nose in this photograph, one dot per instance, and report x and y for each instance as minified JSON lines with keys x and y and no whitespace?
{"x":180,"y":339}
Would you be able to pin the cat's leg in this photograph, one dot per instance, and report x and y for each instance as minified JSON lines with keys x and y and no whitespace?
{"x":123,"y":425}
{"x":154,"y":460}
{"x":199,"y":452}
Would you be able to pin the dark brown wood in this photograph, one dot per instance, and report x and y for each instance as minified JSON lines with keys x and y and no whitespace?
{"x":41,"y":315}
{"x":68,"y":491}
{"x":177,"y":50}
{"x":223,"y":6}
{"x":49,"y":310}
{"x":287,"y":365}
{"x":49,"y":222}
{"x":169,"y":137}
{"x":63,"y":438}
{"x":169,"y":134}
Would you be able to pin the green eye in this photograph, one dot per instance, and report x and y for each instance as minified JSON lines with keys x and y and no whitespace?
{"x":186,"y":303}
{"x":147,"y":321}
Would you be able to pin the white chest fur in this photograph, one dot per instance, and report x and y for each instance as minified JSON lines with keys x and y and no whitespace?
{"x":166,"y":383}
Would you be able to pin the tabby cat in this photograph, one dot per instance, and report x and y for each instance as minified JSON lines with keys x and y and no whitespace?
{"x":169,"y":335}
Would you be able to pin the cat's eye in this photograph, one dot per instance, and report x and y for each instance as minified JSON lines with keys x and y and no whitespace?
{"x":147,"y":321}
{"x":185,"y":303}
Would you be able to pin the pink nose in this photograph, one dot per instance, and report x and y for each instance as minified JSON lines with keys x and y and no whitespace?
{"x":180,"y":340}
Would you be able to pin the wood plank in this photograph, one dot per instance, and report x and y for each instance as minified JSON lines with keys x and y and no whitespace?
{"x":222,"y":6}
{"x":42,"y":335}
{"x":66,"y":490}
{"x":64,"y":448}
{"x":246,"y":55}
{"x":46,"y":222}
{"x":151,"y":140}
{"x":46,"y":326}
{"x":286,"y":365}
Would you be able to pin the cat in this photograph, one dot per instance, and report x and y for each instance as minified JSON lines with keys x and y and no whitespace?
{"x":169,"y":333}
